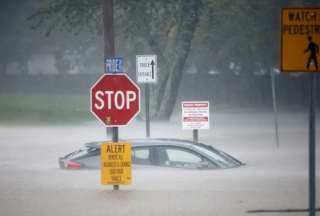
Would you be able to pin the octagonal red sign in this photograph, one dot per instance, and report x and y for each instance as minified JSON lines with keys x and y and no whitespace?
{"x":115,"y":99}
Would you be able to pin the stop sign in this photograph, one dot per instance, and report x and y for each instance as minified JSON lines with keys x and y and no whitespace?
{"x":115,"y":99}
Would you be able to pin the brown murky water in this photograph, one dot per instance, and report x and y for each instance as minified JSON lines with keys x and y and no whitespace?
{"x":31,"y":183}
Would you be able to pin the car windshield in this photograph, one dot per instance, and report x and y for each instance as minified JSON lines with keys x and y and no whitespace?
{"x":220,"y":159}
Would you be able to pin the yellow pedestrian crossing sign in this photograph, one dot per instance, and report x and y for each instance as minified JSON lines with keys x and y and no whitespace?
{"x":300,"y":40}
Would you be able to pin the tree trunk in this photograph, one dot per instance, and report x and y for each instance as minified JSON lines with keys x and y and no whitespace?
{"x":168,"y":87}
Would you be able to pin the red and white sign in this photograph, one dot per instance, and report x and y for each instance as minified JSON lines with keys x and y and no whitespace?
{"x":115,"y":99}
{"x":195,"y":115}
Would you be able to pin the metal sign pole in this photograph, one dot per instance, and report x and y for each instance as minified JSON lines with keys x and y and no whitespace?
{"x":195,"y":136}
{"x":275,"y":108}
{"x":304,"y":46}
{"x":312,"y":147}
{"x":115,"y":138}
{"x":147,"y":101}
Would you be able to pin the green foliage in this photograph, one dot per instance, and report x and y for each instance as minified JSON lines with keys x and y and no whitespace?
{"x":242,"y":32}
{"x":75,"y":15}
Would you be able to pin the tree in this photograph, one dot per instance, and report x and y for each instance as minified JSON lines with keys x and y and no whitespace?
{"x":167,"y":26}
{"x":14,"y":43}
{"x":214,"y":34}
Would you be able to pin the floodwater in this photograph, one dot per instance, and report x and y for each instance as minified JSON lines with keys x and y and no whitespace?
{"x":274,"y":178}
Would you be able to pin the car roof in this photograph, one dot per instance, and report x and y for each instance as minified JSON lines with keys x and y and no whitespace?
{"x":148,"y":142}
{"x":168,"y":142}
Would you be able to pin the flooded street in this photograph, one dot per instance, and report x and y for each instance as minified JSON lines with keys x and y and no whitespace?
{"x":228,"y":72}
{"x":273,"y":178}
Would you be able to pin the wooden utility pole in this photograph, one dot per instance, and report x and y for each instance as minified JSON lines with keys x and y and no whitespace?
{"x":109,"y":52}
{"x":108,"y":38}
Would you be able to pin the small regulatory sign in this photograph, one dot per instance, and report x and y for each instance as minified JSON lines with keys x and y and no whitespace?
{"x":146,"y":68}
{"x":114,"y":65}
{"x":195,"y":115}
{"x":115,"y":163}
{"x":300,"y":39}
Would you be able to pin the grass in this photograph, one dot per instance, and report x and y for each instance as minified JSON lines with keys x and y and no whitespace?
{"x":44,"y":108}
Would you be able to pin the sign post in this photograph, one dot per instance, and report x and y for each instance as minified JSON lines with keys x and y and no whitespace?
{"x":195,"y":135}
{"x":275,"y":107}
{"x":300,"y":39}
{"x":115,"y":101}
{"x":312,"y":147}
{"x":147,"y":102}
{"x":195,"y":117}
{"x":146,"y":69}
{"x":109,"y":51}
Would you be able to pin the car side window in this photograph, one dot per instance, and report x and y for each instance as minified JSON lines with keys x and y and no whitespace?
{"x":141,"y":156}
{"x":180,"y":157}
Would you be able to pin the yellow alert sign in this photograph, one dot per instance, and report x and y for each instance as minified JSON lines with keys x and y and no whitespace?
{"x":116,"y":163}
{"x":300,"y":39}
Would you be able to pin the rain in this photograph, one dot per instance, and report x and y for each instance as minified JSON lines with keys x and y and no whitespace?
{"x":228,"y":54}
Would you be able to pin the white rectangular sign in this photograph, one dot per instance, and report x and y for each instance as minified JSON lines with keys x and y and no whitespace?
{"x":146,"y":68}
{"x":195,"y":115}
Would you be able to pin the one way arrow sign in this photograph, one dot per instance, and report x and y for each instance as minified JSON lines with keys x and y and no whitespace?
{"x":146,"y":68}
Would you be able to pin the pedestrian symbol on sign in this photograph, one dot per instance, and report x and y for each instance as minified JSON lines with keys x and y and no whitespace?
{"x":313,"y":49}
{"x":300,"y":40}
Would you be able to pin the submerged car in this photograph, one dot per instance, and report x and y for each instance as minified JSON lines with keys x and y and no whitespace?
{"x":173,"y":153}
